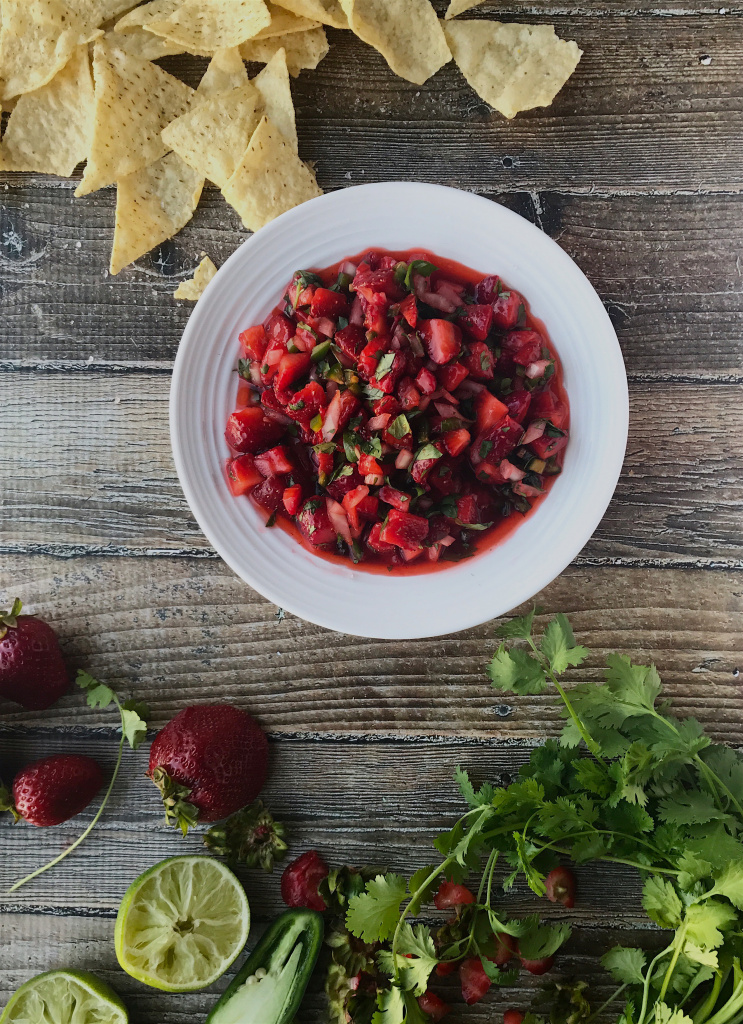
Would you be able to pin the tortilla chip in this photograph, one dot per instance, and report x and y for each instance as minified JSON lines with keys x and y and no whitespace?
{"x":283,"y":23}
{"x":213,"y":135}
{"x":226,"y":72}
{"x":153,"y":204}
{"x":134,"y":101}
{"x":327,"y":12}
{"x":273,"y":85}
{"x":194,"y":288}
{"x":141,"y":17}
{"x":112,"y":8}
{"x":270,"y":179}
{"x":49,"y":129}
{"x":304,"y":50}
{"x":202,"y":26}
{"x":406,"y":32}
{"x":460,"y":6}
{"x":512,"y":67}
{"x":37,"y":39}
{"x":142,"y":44}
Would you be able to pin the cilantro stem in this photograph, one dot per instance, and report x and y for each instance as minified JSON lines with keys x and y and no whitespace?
{"x":440,"y":870}
{"x":646,"y":984}
{"x":679,"y":943}
{"x":609,"y":1001}
{"x":706,"y":1008}
{"x":84,"y":835}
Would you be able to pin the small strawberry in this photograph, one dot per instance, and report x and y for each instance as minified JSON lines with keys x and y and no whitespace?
{"x":300,"y":881}
{"x":208,"y":762}
{"x":52,"y":790}
{"x":32,"y":670}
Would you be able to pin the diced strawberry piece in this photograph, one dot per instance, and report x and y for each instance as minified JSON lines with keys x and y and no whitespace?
{"x":292,"y":498}
{"x":280,"y":328}
{"x":490,"y":474}
{"x":324,"y":466}
{"x":314,"y":523}
{"x":495,"y":444}
{"x":408,"y":394}
{"x":305,"y":404}
{"x":489,"y":411}
{"x":422,"y":467}
{"x":270,"y":493}
{"x":455,"y":441}
{"x":329,"y":303}
{"x":343,"y":484}
{"x":398,"y":499}
{"x":545,"y":446}
{"x":545,"y":405}
{"x":513,"y":1017}
{"x":518,"y":402}
{"x":375,"y":542}
{"x":292,"y":366}
{"x":250,"y":430}
{"x":451,"y":376}
{"x":476,"y":320}
{"x":254,"y":342}
{"x":479,"y":361}
{"x":350,"y":504}
{"x":389,"y":380}
{"x":538,"y":966}
{"x":375,"y":318}
{"x":433,"y":1005}
{"x":368,"y":282}
{"x":350,"y":339}
{"x":443,"y":340}
{"x":475,"y":982}
{"x":389,"y":405}
{"x":409,"y":310}
{"x":447,"y":967}
{"x":467,"y":509}
{"x":274,"y":462}
{"x":368,"y":466}
{"x":350,"y":405}
{"x":304,"y":339}
{"x":368,"y":507}
{"x":506,"y":949}
{"x":444,"y":478}
{"x":450,"y":894}
{"x":426,"y":382}
{"x":487,"y":290}
{"x":275,"y":351}
{"x":404,"y":530}
{"x":242,"y":475}
{"x":524,"y":346}
{"x":506,"y":310}
{"x":560,"y":886}
{"x":370,"y":356}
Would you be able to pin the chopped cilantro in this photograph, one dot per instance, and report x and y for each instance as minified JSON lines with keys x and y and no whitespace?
{"x":243,"y":369}
{"x":428,"y":451}
{"x":421,"y":267}
{"x":486,"y":447}
{"x":521,"y":318}
{"x":296,"y":406}
{"x":399,"y":427}
{"x":384,"y":365}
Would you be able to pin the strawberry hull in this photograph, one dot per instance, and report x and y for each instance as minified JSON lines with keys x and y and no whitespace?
{"x":402,"y":418}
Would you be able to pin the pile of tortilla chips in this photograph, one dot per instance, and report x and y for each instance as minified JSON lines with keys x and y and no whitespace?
{"x":80,"y":82}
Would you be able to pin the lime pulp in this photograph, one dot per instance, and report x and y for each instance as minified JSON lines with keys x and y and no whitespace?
{"x":65,"y":997}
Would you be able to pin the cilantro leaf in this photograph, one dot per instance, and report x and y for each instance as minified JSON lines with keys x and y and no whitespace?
{"x":98,"y":694}
{"x":664,"y":1014}
{"x":517,"y":629}
{"x":635,"y":687}
{"x":414,"y":884}
{"x":540,"y":940}
{"x":372,"y":915}
{"x":705,"y":922}
{"x":418,"y":957}
{"x":661,"y":902}
{"x":390,"y":1006}
{"x":625,"y":964}
{"x":517,"y":671}
{"x":692,"y":869}
{"x":559,"y":646}
{"x":729,"y":883}
{"x":690,"y":808}
{"x":475,"y":798}
{"x":133,"y":723}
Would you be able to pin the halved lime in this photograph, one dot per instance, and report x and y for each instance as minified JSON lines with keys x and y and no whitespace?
{"x":182,"y":923}
{"x":65,"y":997}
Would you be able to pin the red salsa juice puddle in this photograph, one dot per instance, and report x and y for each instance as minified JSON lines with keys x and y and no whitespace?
{"x":495,"y":535}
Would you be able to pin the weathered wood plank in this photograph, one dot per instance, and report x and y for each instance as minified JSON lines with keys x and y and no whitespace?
{"x":84,"y":470}
{"x":177,"y":631}
{"x":33,"y":943}
{"x":667,"y":267}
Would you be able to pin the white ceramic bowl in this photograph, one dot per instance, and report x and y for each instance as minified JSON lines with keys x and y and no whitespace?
{"x":480,"y":234}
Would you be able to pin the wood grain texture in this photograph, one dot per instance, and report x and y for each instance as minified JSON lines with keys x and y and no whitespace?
{"x":668,"y":269}
{"x":91,"y":466}
{"x":177,"y":631}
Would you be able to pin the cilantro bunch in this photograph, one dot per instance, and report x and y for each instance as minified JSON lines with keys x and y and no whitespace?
{"x":627,"y":783}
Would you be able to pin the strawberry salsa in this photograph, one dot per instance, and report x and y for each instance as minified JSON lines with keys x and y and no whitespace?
{"x":397,"y":409}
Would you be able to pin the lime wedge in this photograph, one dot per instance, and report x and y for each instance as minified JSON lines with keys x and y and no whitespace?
{"x":181,"y":924}
{"x":65,"y":997}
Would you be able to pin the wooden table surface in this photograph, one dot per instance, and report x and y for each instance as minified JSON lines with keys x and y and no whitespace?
{"x":637,"y":172}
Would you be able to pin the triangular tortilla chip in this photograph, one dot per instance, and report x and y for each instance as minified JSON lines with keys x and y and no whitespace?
{"x":225,"y":72}
{"x":134,"y":101}
{"x":283,"y":23}
{"x":512,"y":67}
{"x":273,"y":85}
{"x":101,"y":10}
{"x":460,"y":6}
{"x":202,"y":26}
{"x":140,"y":43}
{"x":49,"y":129}
{"x":213,"y":135}
{"x":153,"y":204}
{"x":269,"y":180}
{"x":304,"y":50}
{"x":406,"y":32}
{"x":327,"y":12}
{"x":37,"y":39}
{"x":194,"y":288}
{"x":141,"y":17}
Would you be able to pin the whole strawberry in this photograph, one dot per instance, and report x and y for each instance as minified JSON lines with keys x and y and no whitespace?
{"x":208,"y":762}
{"x":32,"y":670}
{"x":54,"y":789}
